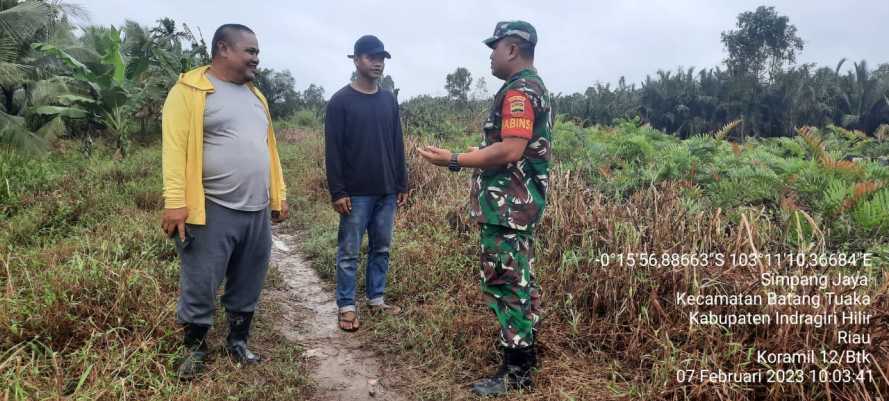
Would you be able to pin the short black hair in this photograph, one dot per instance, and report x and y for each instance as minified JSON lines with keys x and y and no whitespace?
{"x":526,"y":48}
{"x":224,"y":33}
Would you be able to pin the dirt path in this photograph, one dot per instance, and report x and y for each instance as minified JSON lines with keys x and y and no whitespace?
{"x":342,"y":370}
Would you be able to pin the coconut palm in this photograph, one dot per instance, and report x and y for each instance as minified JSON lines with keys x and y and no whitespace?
{"x":23,"y":23}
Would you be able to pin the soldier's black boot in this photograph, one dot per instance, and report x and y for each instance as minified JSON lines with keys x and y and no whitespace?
{"x":514,"y":374}
{"x":236,"y":343}
{"x":195,"y":351}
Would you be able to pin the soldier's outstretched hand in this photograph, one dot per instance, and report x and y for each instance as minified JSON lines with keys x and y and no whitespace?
{"x":434,"y":155}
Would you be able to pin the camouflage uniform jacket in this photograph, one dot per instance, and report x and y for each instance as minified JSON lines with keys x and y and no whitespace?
{"x":514,"y":195}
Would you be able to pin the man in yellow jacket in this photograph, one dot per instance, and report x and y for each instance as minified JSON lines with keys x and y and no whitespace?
{"x":223,"y":188}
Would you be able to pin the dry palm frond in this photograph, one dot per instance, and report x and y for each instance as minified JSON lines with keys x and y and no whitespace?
{"x":816,"y":145}
{"x":736,"y":149}
{"x":859,"y":192}
{"x":882,"y":132}
{"x":726,"y":129}
{"x":789,"y":203}
{"x":846,"y":166}
{"x":605,"y":170}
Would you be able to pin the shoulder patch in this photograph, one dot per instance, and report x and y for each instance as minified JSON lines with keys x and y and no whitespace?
{"x":516,"y":104}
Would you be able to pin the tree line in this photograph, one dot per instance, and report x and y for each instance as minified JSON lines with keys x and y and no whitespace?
{"x":759,"y":91}
{"x":58,"y":80}
{"x":758,"y":86}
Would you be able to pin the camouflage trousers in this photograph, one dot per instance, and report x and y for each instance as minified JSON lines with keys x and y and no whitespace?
{"x":508,"y":283}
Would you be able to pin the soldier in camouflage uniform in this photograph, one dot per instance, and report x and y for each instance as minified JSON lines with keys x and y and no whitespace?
{"x":508,"y":197}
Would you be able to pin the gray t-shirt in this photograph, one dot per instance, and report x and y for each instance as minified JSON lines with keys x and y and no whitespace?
{"x":236,"y":153}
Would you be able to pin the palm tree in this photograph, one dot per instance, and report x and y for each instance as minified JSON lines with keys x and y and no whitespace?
{"x":155,"y":58}
{"x":863,"y":98}
{"x":23,"y":23}
{"x":19,"y":24}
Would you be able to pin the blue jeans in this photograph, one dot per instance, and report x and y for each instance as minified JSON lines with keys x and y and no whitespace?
{"x":376,"y":215}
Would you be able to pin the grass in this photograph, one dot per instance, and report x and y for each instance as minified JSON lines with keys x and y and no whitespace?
{"x":608,"y":332}
{"x":89,"y":283}
{"x":89,"y":286}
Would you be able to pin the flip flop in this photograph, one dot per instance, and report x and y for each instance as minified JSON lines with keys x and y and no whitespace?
{"x":349,"y":317}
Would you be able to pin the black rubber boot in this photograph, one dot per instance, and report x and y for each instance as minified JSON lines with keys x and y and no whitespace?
{"x":195,"y":351}
{"x":514,"y":374}
{"x":236,"y":343}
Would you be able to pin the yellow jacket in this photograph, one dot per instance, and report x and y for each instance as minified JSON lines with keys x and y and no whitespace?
{"x":183,"y":147}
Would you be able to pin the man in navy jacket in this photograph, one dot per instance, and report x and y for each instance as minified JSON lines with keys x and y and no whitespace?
{"x":366,"y":176}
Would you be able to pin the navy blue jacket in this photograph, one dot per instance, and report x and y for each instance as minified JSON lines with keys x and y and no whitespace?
{"x":364,"y":145}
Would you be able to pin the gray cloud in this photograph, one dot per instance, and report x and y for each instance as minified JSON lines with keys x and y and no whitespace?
{"x":580,"y":42}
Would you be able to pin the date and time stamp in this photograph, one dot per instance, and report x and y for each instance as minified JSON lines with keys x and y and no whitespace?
{"x":823,"y":375}
{"x":814,"y":289}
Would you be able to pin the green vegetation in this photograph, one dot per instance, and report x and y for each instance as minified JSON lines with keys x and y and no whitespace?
{"x":614,"y":331}
{"x":689,"y":163}
{"x":105,"y":83}
{"x":811,"y":173}
{"x":89,"y":285}
{"x":284,"y":100}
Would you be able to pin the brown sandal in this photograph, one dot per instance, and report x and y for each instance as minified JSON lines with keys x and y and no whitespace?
{"x":349,"y":317}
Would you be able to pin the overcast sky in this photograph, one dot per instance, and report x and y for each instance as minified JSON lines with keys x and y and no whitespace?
{"x":580,"y":42}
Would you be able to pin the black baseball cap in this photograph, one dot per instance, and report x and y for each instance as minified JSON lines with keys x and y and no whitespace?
{"x":369,"y":44}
